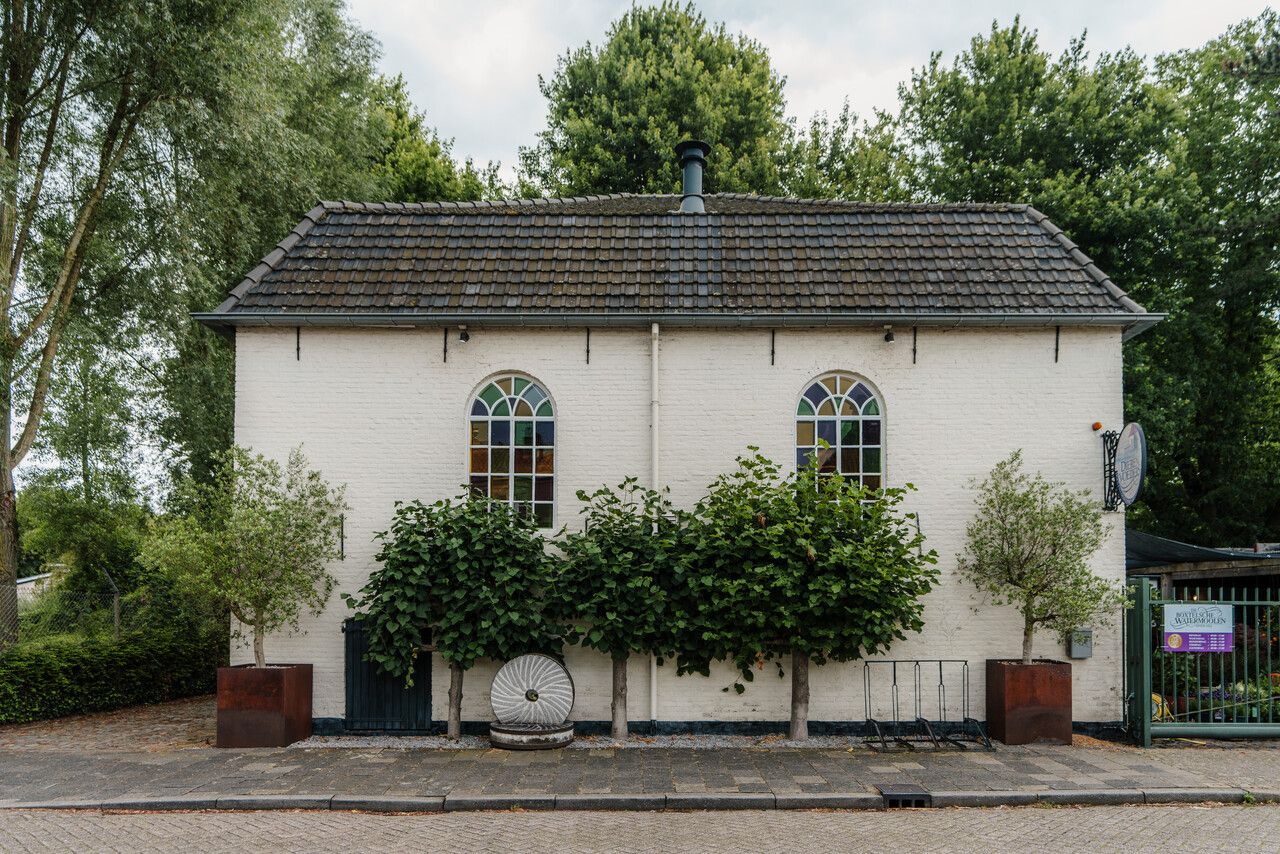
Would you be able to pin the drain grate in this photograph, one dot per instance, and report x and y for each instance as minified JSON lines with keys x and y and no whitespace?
{"x":905,"y":796}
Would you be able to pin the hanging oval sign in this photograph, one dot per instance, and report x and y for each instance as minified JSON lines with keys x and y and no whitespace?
{"x":1131,"y":462}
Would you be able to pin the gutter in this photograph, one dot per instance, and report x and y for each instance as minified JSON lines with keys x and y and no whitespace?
{"x":1134,"y":323}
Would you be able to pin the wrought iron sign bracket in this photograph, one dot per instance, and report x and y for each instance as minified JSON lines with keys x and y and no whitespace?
{"x":1110,"y":492}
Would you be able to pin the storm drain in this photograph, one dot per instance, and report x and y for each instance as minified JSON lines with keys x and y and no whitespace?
{"x":905,"y":796}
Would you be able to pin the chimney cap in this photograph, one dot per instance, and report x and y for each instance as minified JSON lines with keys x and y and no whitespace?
{"x":692,"y":148}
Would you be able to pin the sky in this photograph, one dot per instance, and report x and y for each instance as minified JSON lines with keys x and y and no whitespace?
{"x":472,"y":67}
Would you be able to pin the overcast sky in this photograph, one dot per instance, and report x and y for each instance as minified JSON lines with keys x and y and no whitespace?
{"x":473,"y":67}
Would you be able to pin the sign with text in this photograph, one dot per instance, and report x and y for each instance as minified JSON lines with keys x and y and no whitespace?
{"x":1197,"y":628}
{"x":1131,"y":462}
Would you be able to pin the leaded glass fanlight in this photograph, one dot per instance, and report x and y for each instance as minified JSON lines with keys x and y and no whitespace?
{"x":513,"y":434}
{"x":842,"y":411}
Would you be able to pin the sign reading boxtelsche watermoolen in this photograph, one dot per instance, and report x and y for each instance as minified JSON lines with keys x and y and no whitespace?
{"x":1197,"y":628}
{"x":1131,"y":462}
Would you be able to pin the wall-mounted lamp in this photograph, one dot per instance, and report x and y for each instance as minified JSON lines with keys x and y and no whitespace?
{"x":888,"y":334}
{"x":464,"y":336}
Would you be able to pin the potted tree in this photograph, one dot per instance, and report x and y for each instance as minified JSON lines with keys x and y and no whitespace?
{"x":257,"y":539}
{"x":1029,"y":546}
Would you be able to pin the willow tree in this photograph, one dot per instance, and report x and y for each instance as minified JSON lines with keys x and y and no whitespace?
{"x":82,"y":80}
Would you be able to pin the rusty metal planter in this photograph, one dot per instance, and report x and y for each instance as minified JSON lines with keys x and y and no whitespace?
{"x":264,"y":706}
{"x":1029,"y":703}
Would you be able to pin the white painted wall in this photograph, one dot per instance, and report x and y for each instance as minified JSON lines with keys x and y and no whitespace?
{"x":379,"y":410}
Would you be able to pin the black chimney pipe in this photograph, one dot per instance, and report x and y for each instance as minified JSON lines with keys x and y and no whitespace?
{"x":693,"y":157}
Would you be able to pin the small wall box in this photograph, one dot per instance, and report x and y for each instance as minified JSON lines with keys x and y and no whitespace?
{"x":1081,"y":644}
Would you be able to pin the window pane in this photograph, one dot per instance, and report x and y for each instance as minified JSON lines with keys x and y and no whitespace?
{"x":505,"y":385}
{"x":523,"y":488}
{"x":802,"y":457}
{"x":542,"y":515}
{"x":479,"y":459}
{"x":830,"y":383}
{"x":502,"y":409}
{"x":849,"y":461}
{"x":871,"y":481}
{"x":544,"y":411}
{"x":872,"y":408}
{"x":478,"y":408}
{"x":490,"y":395}
{"x":804,"y":408}
{"x":827,"y":408}
{"x":545,"y":432}
{"x":847,"y":407}
{"x":816,"y":393}
{"x":520,"y":385}
{"x":500,"y":488}
{"x":827,"y":431}
{"x":848,"y":432}
{"x":827,"y":460}
{"x":871,"y":432}
{"x":500,"y":433}
{"x":523,"y":409}
{"x":479,"y":432}
{"x":542,"y":489}
{"x":500,"y":460}
{"x":860,"y":394}
{"x":479,"y":485}
{"x":535,"y":395}
{"x":524,"y":432}
{"x":804,"y":433}
{"x":524,"y":460}
{"x":546,"y":461}
{"x":871,"y":459}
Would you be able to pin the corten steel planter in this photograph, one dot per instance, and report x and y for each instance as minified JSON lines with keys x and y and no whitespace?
{"x":264,"y":706}
{"x":1029,"y":703}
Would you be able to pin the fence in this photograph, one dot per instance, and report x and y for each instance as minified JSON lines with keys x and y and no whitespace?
{"x":53,"y":611}
{"x":1224,"y":686}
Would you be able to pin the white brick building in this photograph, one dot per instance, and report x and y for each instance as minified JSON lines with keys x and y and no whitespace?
{"x":1005,"y":336}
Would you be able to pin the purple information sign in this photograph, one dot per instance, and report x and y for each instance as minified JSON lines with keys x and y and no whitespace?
{"x":1197,"y":628}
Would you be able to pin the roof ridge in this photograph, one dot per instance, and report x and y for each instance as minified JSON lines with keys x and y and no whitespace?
{"x":1085,"y":262}
{"x":272,"y":258}
{"x":352,"y":206}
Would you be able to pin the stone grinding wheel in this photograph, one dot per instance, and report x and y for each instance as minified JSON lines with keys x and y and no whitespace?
{"x":532,"y":689}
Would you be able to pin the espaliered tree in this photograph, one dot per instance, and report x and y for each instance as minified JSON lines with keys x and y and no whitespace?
{"x":806,"y":565}
{"x":610,"y":586}
{"x":466,"y":574}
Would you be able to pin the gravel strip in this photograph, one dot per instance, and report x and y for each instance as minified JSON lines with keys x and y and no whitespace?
{"x":592,"y":742}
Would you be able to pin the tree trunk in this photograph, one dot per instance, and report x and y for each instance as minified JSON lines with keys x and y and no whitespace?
{"x":8,"y":554}
{"x":619,"y":706}
{"x":455,"y":701}
{"x":1028,"y":634}
{"x":799,"y":695}
{"x":259,"y":646}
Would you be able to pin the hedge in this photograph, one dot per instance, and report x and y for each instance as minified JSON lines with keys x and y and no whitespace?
{"x":71,"y":674}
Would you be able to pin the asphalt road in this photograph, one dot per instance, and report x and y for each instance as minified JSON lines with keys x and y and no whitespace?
{"x":1095,"y":830}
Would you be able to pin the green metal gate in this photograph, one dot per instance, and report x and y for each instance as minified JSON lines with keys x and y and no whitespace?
{"x":1233,"y":693}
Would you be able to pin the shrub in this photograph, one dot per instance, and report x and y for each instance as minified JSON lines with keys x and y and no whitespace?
{"x":71,"y":674}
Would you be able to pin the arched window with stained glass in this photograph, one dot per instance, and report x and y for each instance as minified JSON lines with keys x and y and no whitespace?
{"x":844,"y":412}
{"x":513,"y":435}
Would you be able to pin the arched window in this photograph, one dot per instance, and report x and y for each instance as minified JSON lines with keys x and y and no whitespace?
{"x":842,"y":411}
{"x":513,"y":435}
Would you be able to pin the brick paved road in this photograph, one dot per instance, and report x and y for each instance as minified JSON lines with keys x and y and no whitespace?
{"x":1095,"y":830}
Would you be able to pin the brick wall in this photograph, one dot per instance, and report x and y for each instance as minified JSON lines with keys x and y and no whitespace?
{"x":380,"y":410}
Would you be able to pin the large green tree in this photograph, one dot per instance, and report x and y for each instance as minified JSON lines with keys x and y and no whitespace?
{"x":663,"y":74}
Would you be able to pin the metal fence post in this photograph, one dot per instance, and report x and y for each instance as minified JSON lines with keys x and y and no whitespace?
{"x":1138,"y":649}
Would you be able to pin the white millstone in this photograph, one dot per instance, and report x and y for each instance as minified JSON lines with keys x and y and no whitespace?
{"x":532,"y":689}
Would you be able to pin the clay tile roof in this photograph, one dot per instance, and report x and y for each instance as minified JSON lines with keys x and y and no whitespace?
{"x":634,"y":256}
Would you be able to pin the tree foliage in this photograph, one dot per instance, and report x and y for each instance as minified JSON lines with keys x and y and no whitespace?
{"x":1029,"y":546}
{"x":467,"y":575}
{"x":816,"y":567}
{"x":663,"y":75}
{"x":611,"y":584}
{"x":259,"y":540}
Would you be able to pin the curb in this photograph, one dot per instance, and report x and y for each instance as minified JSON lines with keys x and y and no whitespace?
{"x":650,"y":802}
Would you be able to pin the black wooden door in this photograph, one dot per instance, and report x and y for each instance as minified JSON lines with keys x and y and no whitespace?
{"x":378,"y":703}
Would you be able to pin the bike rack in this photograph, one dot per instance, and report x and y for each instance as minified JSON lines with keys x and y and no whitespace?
{"x":941,"y":733}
